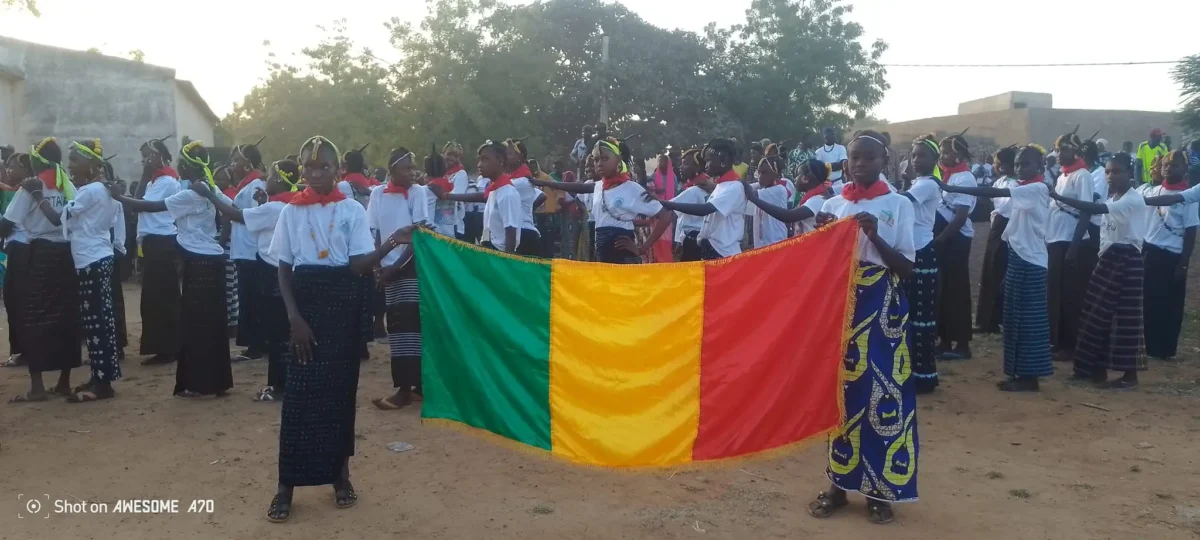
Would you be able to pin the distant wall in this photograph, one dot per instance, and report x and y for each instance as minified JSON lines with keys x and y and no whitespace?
{"x":190,"y":121}
{"x":1006,"y":101}
{"x":76,"y":95}
{"x":1114,"y":126}
{"x":993,"y":129}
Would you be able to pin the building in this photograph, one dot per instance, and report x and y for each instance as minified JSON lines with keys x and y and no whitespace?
{"x":47,"y":91}
{"x":1024,"y":117}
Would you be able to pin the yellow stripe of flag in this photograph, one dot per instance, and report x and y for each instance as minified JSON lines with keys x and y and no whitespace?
{"x":625,"y":362}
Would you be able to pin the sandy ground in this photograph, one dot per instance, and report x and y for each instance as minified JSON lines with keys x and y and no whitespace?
{"x":992,"y":466}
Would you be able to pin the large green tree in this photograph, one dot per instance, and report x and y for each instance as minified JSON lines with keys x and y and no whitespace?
{"x":1187,"y":74}
{"x":478,"y":69}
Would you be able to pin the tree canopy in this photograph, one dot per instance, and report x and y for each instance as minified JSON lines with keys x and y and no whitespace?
{"x":27,"y":5}
{"x":1187,"y":74}
{"x":479,"y":69}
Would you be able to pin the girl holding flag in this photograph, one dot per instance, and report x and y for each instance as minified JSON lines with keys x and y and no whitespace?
{"x":323,"y":245}
{"x":874,"y":452}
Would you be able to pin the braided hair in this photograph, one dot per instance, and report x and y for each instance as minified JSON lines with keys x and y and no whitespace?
{"x":435,"y":165}
{"x":354,"y":161}
{"x":251,"y":153}
{"x":157,"y":146}
{"x":498,"y":148}
{"x":1123,"y":159}
{"x":958,"y":143}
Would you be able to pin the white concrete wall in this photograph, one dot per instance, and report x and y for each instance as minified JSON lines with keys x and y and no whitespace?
{"x":10,"y":130}
{"x":76,"y":95}
{"x":190,"y":120}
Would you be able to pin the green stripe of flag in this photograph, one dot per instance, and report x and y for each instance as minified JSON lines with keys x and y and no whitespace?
{"x":485,"y":330}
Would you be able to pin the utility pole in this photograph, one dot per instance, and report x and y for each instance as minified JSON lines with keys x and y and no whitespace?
{"x":605,"y":78}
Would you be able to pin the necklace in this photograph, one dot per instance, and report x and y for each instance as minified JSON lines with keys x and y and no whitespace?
{"x":312,"y":233}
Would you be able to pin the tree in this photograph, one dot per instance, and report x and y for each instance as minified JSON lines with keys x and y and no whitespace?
{"x":27,"y":5}
{"x":473,"y":70}
{"x":1187,"y":74}
{"x":137,"y":55}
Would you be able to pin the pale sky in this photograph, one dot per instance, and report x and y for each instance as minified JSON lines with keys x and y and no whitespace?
{"x":217,"y":44}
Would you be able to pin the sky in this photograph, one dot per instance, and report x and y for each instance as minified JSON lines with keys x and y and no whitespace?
{"x":218,"y":44}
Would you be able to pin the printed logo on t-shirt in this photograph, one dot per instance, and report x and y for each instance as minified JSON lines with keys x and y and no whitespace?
{"x":887,"y":217}
{"x":619,"y":202}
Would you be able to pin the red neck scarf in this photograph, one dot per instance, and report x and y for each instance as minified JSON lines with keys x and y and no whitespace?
{"x":947,"y":173}
{"x":310,"y":196}
{"x":49,"y":177}
{"x":396,"y":188}
{"x":453,"y":171}
{"x":615,"y":181}
{"x":521,"y":172}
{"x":503,"y":180}
{"x":854,"y":193}
{"x":1034,"y":180}
{"x":360,"y":182}
{"x":442,"y":183}
{"x":729,"y":177}
{"x":285,"y":197}
{"x":696,"y":180}
{"x":230,"y":192}
{"x":251,"y":176}
{"x":821,"y":189}
{"x":1178,"y":186}
{"x":1077,"y":165}
{"x":165,"y":170}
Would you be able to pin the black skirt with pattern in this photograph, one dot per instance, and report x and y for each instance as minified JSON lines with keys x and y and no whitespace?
{"x":316,"y":432}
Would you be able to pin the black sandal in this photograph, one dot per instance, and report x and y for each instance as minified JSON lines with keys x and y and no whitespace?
{"x":345,"y":497}
{"x":879,"y":512}
{"x":825,"y":504}
{"x":280,"y":509}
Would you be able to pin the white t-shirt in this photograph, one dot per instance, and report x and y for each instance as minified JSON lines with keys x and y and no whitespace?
{"x":1002,"y":206}
{"x":895,"y":215}
{"x":586,"y":200}
{"x":242,"y":245}
{"x":503,"y":210}
{"x":158,"y":223}
{"x":617,"y":207}
{"x":725,"y":227}
{"x":926,"y":197}
{"x":529,"y":193}
{"x":1190,"y":195}
{"x":389,"y":212}
{"x":23,"y":211}
{"x":196,"y":219}
{"x":1124,"y":222}
{"x":831,"y":155}
{"x":768,"y":230}
{"x":837,"y":186}
{"x":322,"y":234}
{"x":1029,"y":211}
{"x":1167,"y":223}
{"x":686,"y":223}
{"x":460,"y":181}
{"x":1063,"y":218}
{"x":952,"y":200}
{"x":88,"y":222}
{"x":814,"y":204}
{"x":260,"y":222}
{"x":1100,"y":188}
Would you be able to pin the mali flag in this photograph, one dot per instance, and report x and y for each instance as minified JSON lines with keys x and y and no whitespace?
{"x":639,"y":365}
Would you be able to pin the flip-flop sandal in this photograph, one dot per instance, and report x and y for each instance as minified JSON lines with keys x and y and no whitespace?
{"x":346,"y":497}
{"x":188,"y":394}
{"x":280,"y":510}
{"x":386,"y":404}
{"x":266,"y":395}
{"x":12,"y":361}
{"x":825,"y":505}
{"x":26,"y":398}
{"x":86,"y":396}
{"x":880,"y":513}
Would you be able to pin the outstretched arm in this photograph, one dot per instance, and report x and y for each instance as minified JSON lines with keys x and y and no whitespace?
{"x":569,"y":187}
{"x":786,"y":215}
{"x":1164,"y":200}
{"x":476,"y":197}
{"x":1083,"y":206}
{"x":693,"y":209}
{"x":977,"y":191}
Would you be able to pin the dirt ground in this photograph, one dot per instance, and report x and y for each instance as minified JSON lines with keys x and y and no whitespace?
{"x":993,"y":466}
